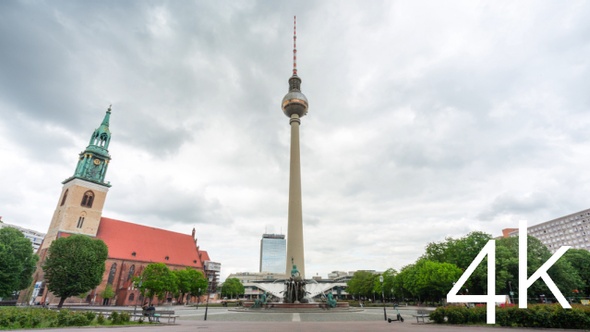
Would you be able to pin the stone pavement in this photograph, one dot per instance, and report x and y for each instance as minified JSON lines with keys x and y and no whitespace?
{"x":224,"y":320}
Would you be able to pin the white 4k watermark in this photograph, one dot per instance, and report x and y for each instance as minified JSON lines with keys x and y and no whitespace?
{"x":523,"y":283}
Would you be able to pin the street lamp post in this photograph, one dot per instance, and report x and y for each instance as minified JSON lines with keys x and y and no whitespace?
{"x":208,"y":295}
{"x":198,"y":298}
{"x":383,"y":297}
{"x":139,"y":286}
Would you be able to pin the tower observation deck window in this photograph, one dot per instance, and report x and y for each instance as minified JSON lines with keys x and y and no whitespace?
{"x":88,"y":199}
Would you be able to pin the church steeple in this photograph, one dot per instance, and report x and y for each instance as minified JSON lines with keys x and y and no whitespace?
{"x":93,"y":163}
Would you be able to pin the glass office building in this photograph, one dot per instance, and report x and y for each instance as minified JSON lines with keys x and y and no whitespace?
{"x":273,"y":253}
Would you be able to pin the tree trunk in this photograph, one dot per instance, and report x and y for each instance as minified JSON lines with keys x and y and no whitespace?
{"x":61,"y":302}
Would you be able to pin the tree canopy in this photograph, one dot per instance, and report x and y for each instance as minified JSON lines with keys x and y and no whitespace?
{"x":74,"y":265}
{"x":157,"y":280}
{"x":427,"y":280}
{"x":17,"y":261}
{"x":568,"y":273}
{"x":580,"y":261}
{"x":363,"y":283}
{"x":231,"y":287}
{"x":460,"y":252}
{"x":190,"y":281}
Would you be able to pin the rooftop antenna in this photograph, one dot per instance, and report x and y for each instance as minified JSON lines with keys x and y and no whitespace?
{"x":294,"y":45}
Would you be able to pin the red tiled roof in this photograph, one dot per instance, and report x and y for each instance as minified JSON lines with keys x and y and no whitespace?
{"x":61,"y":234}
{"x":149,"y":244}
{"x":204,"y":255}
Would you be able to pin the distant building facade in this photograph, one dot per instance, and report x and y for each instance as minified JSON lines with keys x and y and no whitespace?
{"x":273,"y":253}
{"x":35,"y":237}
{"x":250,"y":280}
{"x":339,"y":274}
{"x":571,"y":230}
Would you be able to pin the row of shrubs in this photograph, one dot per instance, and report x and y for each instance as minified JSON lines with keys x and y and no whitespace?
{"x":15,"y":318}
{"x":537,"y":315}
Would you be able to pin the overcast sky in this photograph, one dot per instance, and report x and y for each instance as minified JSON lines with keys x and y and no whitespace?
{"x":427,"y":119}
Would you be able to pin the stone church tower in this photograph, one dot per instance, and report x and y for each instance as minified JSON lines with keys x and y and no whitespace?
{"x":83,"y":195}
{"x":79,"y":208}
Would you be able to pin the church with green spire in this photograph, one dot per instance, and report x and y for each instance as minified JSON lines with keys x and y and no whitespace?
{"x":131,"y":246}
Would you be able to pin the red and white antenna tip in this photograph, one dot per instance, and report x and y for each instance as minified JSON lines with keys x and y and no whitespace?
{"x":295,"y":45}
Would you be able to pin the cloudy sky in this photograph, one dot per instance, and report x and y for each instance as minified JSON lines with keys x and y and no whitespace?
{"x":427,"y":119}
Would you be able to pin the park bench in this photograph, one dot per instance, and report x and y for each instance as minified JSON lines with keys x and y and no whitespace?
{"x":237,"y":303}
{"x":167,"y":314}
{"x":422,"y":314}
{"x":156,"y":315}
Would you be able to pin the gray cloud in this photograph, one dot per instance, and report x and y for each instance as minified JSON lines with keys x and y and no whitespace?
{"x":426,"y":120}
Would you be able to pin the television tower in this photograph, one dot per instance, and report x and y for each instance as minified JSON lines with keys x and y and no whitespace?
{"x":295,"y":106}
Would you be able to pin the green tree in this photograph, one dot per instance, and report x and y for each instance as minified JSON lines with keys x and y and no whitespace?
{"x":433,"y":280}
{"x":108,"y":292}
{"x":190,"y":281}
{"x":401,"y":282}
{"x":363,"y":283}
{"x":426,"y":280}
{"x":74,"y":265}
{"x":231,"y":287}
{"x":388,"y":283}
{"x":562,"y":273}
{"x":461,"y":253}
{"x":17,"y":261}
{"x":157,"y":280}
{"x":580,"y":261}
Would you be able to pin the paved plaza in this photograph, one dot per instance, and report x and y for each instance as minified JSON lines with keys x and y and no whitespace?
{"x":227,"y":320}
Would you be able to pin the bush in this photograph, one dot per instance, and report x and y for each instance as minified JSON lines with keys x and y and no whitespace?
{"x":19,"y":317}
{"x":100,"y":319}
{"x":125,"y":317}
{"x":66,"y":317}
{"x":540,"y":315}
{"x":118,"y":318}
{"x":90,"y":315}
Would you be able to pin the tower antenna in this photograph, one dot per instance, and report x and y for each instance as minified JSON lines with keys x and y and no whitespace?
{"x":294,"y":45}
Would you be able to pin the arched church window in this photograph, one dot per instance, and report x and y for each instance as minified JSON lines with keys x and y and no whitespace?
{"x":63,"y":199}
{"x":88,"y":199}
{"x":131,"y":272}
{"x":80,"y":222}
{"x":131,"y":297}
{"x":112,"y":274}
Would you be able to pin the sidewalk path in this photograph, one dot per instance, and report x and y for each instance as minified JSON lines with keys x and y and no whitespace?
{"x":223,"y":320}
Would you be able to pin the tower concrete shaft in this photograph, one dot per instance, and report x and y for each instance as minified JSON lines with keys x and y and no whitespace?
{"x":295,"y":106}
{"x":295,"y":247}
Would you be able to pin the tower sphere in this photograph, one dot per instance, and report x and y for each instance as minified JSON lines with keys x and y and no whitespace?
{"x":294,"y":101}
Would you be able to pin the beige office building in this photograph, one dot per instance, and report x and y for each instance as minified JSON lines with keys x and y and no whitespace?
{"x":571,"y":230}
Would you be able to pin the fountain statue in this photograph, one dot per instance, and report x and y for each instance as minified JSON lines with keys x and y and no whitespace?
{"x":295,"y":287}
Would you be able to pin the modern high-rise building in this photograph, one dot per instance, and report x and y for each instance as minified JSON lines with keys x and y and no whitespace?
{"x":35,"y":237}
{"x":571,"y":230}
{"x":273,"y":253}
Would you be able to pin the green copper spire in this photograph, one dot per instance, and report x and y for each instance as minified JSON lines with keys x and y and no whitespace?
{"x":94,"y":161}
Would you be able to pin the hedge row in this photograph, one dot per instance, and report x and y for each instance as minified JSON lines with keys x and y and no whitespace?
{"x":539,"y":315}
{"x":18,"y":318}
